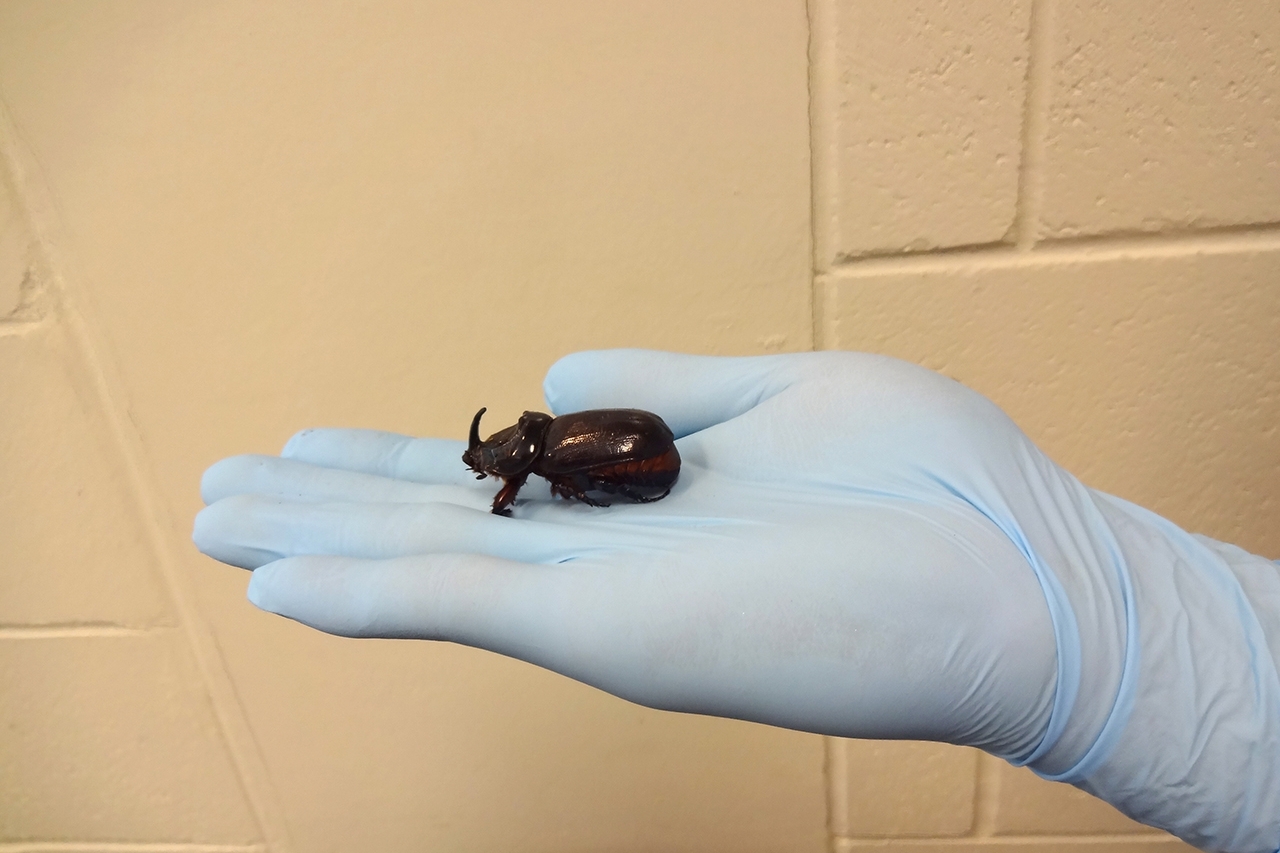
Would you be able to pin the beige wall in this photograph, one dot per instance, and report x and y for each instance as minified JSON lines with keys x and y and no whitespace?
{"x":222,"y":222}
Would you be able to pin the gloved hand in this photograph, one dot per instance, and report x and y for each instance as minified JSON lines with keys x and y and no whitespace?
{"x":856,"y":547}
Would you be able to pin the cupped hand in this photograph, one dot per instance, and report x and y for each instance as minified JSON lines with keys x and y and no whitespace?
{"x":855,"y":546}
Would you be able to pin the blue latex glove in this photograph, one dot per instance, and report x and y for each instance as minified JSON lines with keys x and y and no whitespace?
{"x":856,"y":547}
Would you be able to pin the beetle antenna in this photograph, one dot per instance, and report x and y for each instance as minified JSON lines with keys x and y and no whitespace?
{"x":474,"y":438}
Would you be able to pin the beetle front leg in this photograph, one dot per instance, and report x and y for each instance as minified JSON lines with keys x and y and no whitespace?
{"x":507,"y":494}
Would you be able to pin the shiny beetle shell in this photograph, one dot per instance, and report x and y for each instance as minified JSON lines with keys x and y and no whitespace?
{"x":626,"y":452}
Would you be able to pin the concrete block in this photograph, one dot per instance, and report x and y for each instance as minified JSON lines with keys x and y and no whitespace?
{"x":1162,"y":117}
{"x":1028,"y":805}
{"x":402,"y":746}
{"x":926,"y":118}
{"x":110,"y":739}
{"x":73,"y":547}
{"x":1155,"y":378}
{"x":14,"y":248}
{"x":903,"y":789}
{"x":1084,"y":844}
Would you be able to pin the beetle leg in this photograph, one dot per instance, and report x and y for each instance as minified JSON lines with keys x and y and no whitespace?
{"x":632,"y":495}
{"x":570,"y":490}
{"x":507,"y":494}
{"x":580,"y":485}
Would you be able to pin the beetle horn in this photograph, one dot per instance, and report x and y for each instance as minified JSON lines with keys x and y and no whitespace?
{"x":473,"y":440}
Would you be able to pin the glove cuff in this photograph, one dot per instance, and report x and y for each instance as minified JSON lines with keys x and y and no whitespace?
{"x":1193,"y":741}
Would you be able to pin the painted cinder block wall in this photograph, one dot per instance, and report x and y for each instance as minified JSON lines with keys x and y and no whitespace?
{"x":220,"y":223}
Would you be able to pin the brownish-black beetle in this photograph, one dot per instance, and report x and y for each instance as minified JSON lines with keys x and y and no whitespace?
{"x":626,"y":452}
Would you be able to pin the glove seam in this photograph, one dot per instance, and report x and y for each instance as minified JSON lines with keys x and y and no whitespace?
{"x":1066,"y":635}
{"x":1066,"y":630}
{"x":1126,"y":691}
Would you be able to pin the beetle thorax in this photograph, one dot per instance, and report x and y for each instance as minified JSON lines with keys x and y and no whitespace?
{"x":509,"y":452}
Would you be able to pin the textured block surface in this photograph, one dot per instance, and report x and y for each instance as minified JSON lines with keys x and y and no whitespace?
{"x":1083,"y":844}
{"x":1153,"y":378}
{"x":1162,"y":117}
{"x":1028,"y":805}
{"x":436,"y":740}
{"x":904,"y":788}
{"x":925,"y":138}
{"x":14,"y":249}
{"x":109,"y":738}
{"x":75,"y":549}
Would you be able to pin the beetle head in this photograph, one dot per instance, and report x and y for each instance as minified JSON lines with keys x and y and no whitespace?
{"x":509,"y":452}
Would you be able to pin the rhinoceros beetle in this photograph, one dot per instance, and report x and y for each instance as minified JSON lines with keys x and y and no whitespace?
{"x":626,"y":452}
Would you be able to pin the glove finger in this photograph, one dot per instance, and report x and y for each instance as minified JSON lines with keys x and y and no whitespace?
{"x":385,"y":454}
{"x":299,"y":481}
{"x":483,"y":601}
{"x":251,"y":530}
{"x":562,"y":617}
{"x":689,"y":392}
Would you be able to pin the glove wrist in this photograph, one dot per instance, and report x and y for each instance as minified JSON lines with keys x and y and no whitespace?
{"x":1192,"y":743}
